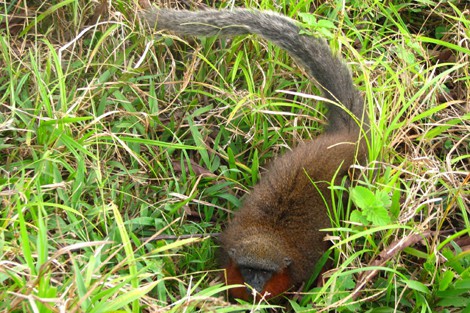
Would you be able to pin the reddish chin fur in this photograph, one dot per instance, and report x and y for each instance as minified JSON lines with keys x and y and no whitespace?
{"x":234,"y":277}
{"x":278,"y":284}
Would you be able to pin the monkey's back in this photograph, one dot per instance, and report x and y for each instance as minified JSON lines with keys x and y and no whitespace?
{"x":289,"y":205}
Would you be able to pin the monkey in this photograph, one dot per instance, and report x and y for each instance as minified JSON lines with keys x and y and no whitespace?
{"x":274,"y":240}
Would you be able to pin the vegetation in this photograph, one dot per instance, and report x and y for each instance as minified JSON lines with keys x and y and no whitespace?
{"x":122,"y":151}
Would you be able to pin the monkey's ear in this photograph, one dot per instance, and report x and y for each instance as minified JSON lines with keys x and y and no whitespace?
{"x":231,"y":252}
{"x":287,"y":261}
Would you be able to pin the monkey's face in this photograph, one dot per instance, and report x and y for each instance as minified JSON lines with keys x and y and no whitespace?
{"x":266,"y":283}
{"x":256,"y":278}
{"x":260,"y":267}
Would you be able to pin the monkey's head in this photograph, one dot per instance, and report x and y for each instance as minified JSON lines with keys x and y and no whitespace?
{"x":261,"y":262}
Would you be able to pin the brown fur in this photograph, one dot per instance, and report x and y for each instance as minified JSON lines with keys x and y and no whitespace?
{"x":282,"y":216}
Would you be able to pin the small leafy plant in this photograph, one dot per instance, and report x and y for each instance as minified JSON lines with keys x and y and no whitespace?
{"x":372,"y":207}
{"x":322,"y":27}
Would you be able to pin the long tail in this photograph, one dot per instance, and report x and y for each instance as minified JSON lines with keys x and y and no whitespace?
{"x":330,"y":73}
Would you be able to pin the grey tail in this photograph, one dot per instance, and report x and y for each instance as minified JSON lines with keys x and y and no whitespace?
{"x":330,"y":74}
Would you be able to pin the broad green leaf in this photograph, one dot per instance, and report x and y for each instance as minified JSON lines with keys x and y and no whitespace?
{"x":378,"y":216}
{"x":362,"y":197}
{"x":418,"y":286}
{"x":446,"y":279}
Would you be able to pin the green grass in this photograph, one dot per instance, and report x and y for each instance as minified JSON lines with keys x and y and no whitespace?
{"x":117,"y":145}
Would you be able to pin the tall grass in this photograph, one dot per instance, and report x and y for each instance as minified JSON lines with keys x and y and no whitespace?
{"x":123,"y":153}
